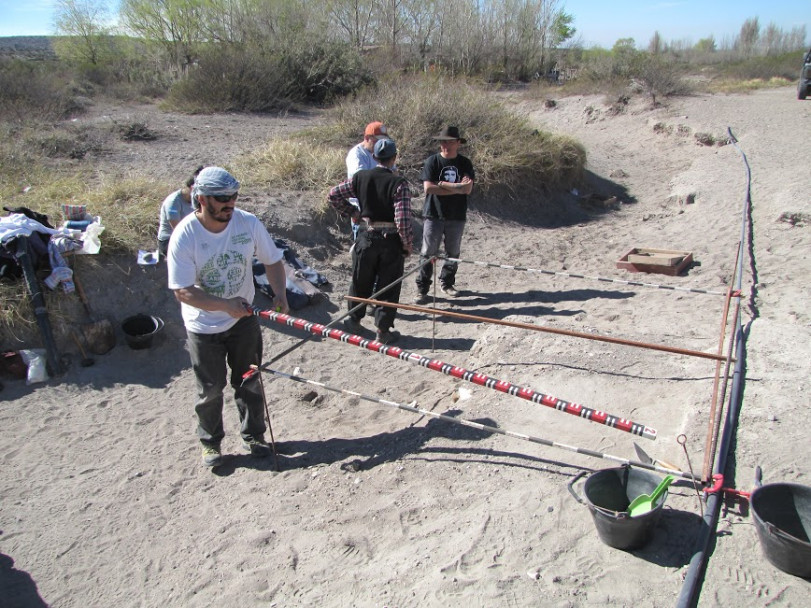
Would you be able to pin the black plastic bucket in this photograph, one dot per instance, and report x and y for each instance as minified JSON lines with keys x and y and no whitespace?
{"x":608,"y":494}
{"x":782,"y":514}
{"x":140,"y":330}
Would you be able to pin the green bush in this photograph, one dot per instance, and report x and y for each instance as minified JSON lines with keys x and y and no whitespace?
{"x":231,"y":77}
{"x":324,"y":72}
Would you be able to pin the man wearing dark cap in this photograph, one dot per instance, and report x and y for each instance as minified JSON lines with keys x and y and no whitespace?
{"x":384,"y":239}
{"x":447,"y":181}
{"x":210,"y":271}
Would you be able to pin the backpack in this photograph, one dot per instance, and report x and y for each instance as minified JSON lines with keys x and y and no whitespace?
{"x":38,"y":246}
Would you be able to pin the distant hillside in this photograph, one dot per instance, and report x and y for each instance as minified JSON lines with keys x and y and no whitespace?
{"x":27,"y":47}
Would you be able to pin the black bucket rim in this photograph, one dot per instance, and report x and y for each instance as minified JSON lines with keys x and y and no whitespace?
{"x":143,"y":339}
{"x":617,"y":528}
{"x":637,"y":471}
{"x":157,"y":324}
{"x":781,"y":548}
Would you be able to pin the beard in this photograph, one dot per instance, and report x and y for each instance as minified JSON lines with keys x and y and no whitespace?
{"x":224,"y":214}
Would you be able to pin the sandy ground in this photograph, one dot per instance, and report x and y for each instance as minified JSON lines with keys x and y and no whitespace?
{"x":105,"y":502}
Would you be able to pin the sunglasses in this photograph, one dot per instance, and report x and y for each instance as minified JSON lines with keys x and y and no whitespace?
{"x":224,"y":198}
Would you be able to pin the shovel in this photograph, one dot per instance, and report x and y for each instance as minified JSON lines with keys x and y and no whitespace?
{"x":99,"y":333}
{"x":86,"y":361}
{"x":644,"y":504}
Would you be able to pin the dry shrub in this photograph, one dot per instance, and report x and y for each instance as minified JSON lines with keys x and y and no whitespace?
{"x":727,"y":85}
{"x":18,"y":325}
{"x":14,"y":313}
{"x":708,"y":139}
{"x":303,"y":163}
{"x":660,"y":78}
{"x":128,"y":206}
{"x":662,"y":128}
{"x":504,"y":148}
{"x":70,"y":141}
{"x":136,"y":131}
{"x":764,"y":69}
{"x":129,"y":211}
{"x":34,"y":90}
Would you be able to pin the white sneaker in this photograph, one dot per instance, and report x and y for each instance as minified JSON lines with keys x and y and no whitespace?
{"x":450,"y":291}
{"x":421,"y":298}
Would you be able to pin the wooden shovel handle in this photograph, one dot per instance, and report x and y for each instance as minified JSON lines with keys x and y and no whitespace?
{"x":82,"y":294}
{"x":78,"y":343}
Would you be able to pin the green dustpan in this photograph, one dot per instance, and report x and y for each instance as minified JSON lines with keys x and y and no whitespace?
{"x":645,"y":503}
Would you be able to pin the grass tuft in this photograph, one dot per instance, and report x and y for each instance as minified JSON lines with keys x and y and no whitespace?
{"x":302,"y":163}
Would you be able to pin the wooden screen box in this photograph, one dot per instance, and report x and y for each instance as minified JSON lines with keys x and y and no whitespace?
{"x":661,"y":261}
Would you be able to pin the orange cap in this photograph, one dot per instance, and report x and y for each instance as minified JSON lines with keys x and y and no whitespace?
{"x":377,"y":129}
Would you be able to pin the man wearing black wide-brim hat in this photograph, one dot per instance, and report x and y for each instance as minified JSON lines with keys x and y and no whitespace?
{"x":447,"y":179}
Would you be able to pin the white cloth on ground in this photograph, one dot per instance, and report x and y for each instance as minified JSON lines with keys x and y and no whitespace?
{"x":17,"y":224}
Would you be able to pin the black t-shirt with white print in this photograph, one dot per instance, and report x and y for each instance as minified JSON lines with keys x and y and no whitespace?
{"x":438,"y":169}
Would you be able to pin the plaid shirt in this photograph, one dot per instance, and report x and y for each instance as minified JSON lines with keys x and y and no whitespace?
{"x":339,"y":199}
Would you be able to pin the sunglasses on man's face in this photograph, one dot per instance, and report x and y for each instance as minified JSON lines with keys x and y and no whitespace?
{"x":224,"y":198}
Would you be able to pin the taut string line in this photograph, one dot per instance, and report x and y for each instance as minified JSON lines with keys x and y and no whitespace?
{"x":476,"y":425}
{"x":584,"y":276}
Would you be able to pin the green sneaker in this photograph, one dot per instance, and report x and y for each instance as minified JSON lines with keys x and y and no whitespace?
{"x":256,"y":446}
{"x":212,"y":457}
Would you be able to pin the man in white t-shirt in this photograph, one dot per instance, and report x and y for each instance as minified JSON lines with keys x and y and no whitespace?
{"x":361,"y":157}
{"x":209,"y":260}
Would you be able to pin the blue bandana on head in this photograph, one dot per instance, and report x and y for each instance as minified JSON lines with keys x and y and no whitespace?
{"x":215,"y":180}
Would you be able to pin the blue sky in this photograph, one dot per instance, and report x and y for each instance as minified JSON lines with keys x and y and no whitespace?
{"x":599,"y":22}
{"x":602,"y":22}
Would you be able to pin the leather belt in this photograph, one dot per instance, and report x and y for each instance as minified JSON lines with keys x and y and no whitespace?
{"x":375,"y":225}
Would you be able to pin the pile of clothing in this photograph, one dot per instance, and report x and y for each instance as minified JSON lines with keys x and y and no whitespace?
{"x":303,"y":282}
{"x":46,"y":245}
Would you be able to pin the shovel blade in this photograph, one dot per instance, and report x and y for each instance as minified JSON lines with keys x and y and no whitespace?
{"x":642,"y":455}
{"x":645,"y":503}
{"x":645,"y":458}
{"x":99,"y":336}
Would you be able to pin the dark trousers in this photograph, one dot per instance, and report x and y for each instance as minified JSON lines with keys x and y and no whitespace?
{"x":377,"y":261}
{"x":238,"y":348}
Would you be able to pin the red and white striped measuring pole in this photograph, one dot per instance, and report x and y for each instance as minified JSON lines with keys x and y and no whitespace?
{"x":575,"y":409}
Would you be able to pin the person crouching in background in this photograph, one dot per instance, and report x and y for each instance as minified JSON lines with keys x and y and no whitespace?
{"x":174,"y":208}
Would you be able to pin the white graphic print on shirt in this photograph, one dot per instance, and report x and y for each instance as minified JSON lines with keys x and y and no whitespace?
{"x":450,"y":174}
{"x":223,"y":274}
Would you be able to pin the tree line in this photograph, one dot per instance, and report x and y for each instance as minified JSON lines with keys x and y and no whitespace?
{"x":509,"y":37}
{"x":262,"y":55}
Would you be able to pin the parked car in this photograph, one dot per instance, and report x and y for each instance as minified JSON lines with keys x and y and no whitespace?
{"x":805,"y":77}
